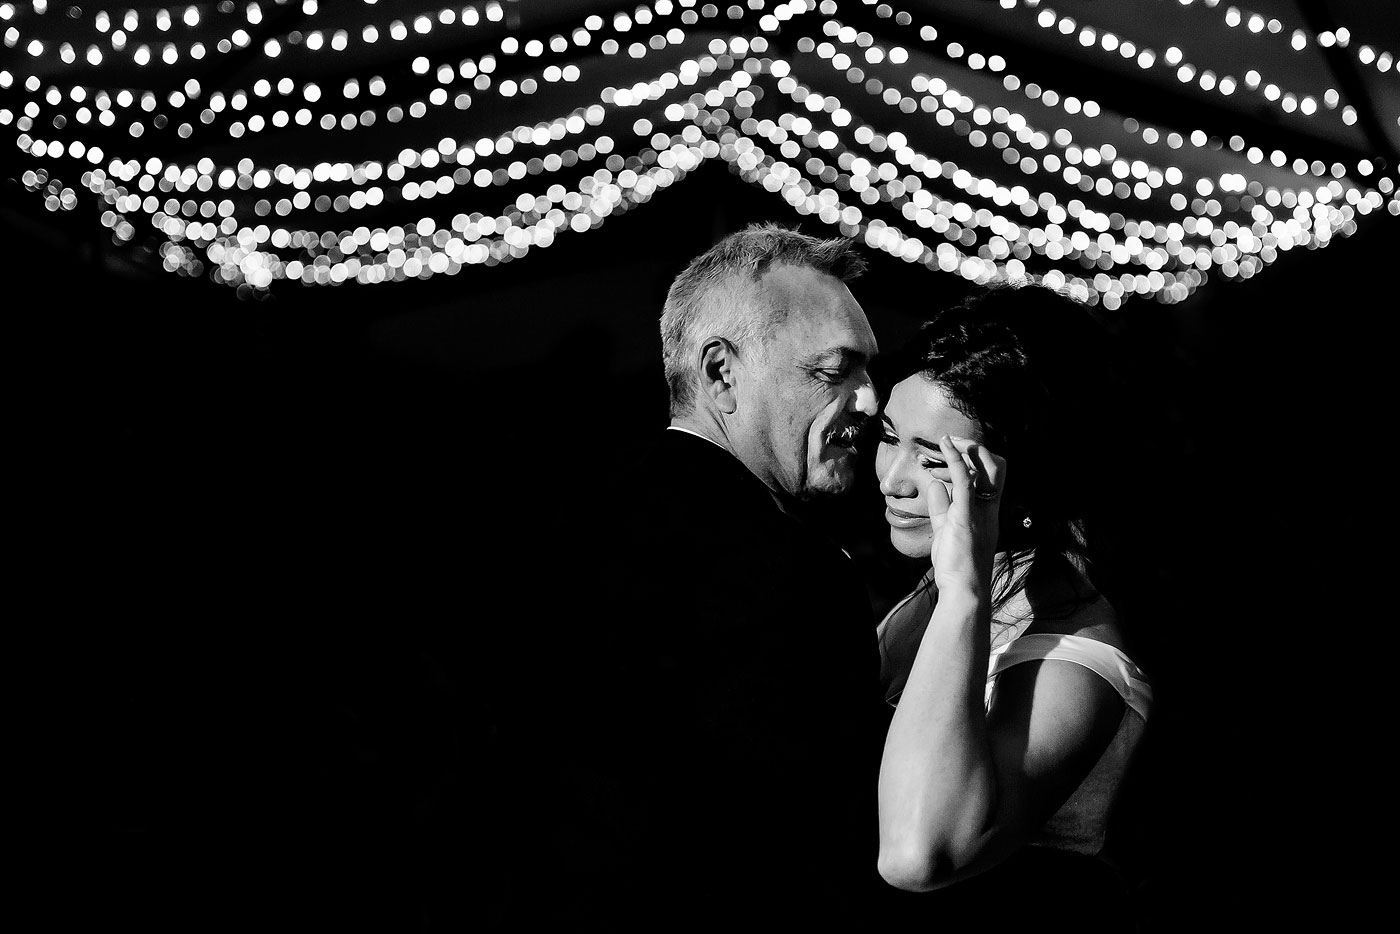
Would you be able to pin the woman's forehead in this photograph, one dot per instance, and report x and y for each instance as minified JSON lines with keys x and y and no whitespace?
{"x":920,"y":405}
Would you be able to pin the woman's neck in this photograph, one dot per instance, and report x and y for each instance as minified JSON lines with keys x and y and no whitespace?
{"x":1024,"y":592}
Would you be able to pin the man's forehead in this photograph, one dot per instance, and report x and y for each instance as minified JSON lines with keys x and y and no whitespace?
{"x":817,"y":313}
{"x":812,"y":293}
{"x":838,"y":328}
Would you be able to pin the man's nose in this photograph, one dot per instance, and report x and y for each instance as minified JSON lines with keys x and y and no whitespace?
{"x":866,"y":401}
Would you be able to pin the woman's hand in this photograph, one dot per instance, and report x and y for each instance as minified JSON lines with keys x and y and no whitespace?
{"x":965,"y":537}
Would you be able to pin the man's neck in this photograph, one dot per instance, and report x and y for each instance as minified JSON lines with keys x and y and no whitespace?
{"x":703,"y":428}
{"x":713,"y":432}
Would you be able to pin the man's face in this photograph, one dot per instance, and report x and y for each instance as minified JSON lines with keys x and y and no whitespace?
{"x":802,"y":408}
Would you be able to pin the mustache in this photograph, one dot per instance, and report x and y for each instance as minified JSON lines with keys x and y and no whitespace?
{"x":852,"y":432}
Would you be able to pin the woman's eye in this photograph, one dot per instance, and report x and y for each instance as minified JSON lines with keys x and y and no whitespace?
{"x":928,"y":464}
{"x":887,"y":438}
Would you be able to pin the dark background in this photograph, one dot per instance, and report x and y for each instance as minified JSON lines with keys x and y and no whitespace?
{"x":294,"y":565}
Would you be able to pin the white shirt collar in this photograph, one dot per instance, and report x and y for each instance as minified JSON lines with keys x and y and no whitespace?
{"x":698,"y":435}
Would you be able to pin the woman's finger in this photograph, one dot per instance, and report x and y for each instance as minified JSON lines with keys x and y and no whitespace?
{"x":986,"y":470}
{"x":957,"y":469}
{"x":938,"y":492}
{"x":990,"y":467}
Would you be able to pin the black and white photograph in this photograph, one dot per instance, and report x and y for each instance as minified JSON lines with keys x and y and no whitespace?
{"x":580,"y":465}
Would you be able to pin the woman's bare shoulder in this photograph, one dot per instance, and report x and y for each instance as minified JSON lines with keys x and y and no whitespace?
{"x":1093,"y":619}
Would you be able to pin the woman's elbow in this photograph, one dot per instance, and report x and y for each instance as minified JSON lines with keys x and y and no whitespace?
{"x":907,"y":869}
{"x":925,"y":864}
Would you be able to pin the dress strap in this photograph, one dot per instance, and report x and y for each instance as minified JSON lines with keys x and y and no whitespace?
{"x":1102,"y":659}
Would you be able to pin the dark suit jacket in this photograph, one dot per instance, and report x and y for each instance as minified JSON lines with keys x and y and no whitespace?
{"x":733,"y":727}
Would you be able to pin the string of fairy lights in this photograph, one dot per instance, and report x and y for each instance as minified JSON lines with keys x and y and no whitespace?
{"x":1298,"y":39}
{"x":1187,"y":72}
{"x":914,"y":141}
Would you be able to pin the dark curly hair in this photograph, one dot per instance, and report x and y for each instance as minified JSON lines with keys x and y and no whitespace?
{"x":996,"y":354}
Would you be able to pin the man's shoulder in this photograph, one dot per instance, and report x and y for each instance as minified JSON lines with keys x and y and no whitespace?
{"x":678,"y":450}
{"x":674,"y":473}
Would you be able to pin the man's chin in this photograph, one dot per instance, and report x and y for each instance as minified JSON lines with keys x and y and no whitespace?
{"x":833,"y":478}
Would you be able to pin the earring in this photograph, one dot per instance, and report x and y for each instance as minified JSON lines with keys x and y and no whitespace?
{"x":1026,"y":522}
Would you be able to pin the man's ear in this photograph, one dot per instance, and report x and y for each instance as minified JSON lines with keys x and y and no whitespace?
{"x":719,"y":372}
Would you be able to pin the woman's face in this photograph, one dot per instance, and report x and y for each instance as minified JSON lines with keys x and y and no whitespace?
{"x":909,"y":464}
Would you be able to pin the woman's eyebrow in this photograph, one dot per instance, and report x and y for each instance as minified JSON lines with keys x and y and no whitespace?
{"x":927,"y":445}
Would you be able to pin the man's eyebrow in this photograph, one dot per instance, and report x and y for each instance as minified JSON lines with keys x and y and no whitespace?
{"x":836,"y":356}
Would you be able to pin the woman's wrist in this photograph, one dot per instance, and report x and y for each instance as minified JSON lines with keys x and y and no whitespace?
{"x":966,"y":594}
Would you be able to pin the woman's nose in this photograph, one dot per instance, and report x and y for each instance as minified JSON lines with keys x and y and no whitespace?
{"x":897,"y":481}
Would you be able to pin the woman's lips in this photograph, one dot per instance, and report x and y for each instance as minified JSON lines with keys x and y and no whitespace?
{"x":904,"y":520}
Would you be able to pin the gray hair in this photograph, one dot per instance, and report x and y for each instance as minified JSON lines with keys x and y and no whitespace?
{"x":717,"y":294}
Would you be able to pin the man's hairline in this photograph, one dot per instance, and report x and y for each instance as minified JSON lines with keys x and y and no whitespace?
{"x":753,"y":282}
{"x":757,"y":282}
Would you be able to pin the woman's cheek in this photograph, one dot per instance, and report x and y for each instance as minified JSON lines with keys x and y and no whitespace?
{"x":940,"y":497}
